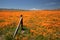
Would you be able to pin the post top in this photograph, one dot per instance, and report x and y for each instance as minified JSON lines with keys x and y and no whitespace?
{"x":21,"y":15}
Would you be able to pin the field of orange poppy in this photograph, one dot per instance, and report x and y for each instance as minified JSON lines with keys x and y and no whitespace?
{"x":41,"y":23}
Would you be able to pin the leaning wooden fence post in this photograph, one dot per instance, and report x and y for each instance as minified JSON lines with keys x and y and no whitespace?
{"x":19,"y":25}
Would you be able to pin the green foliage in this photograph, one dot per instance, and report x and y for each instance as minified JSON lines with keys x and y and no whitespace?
{"x":1,"y":31}
{"x":8,"y":37}
{"x":9,"y":30}
{"x":2,"y":20}
{"x":41,"y":37}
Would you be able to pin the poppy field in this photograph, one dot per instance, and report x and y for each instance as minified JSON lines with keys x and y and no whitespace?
{"x":38,"y":24}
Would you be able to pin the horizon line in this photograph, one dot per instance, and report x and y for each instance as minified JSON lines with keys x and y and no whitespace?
{"x":26,"y":9}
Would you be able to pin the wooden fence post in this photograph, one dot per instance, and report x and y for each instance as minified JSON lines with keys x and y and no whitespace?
{"x":19,"y":25}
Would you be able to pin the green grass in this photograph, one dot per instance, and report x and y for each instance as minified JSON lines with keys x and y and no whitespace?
{"x":40,"y":37}
{"x":9,"y":30}
{"x":2,"y":20}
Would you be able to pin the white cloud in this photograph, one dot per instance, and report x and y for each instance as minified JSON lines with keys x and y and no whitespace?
{"x":33,"y":9}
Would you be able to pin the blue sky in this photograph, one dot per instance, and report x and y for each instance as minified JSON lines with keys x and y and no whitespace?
{"x":30,"y":4}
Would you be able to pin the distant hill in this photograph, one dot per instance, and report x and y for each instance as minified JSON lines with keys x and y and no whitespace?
{"x":1,"y":9}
